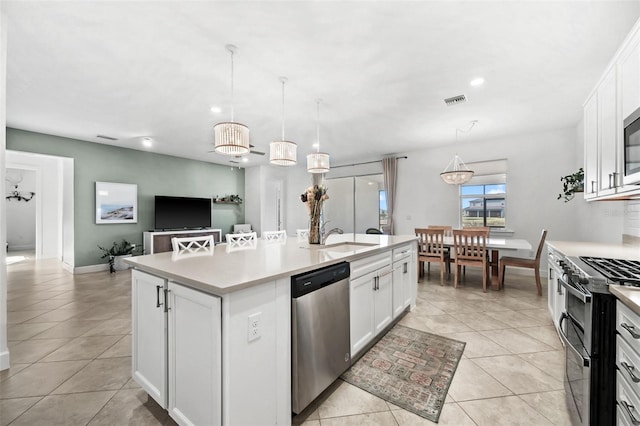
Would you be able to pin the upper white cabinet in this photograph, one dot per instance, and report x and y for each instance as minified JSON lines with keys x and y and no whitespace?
{"x":608,"y":171}
{"x":615,"y":97}
{"x":629,"y":72}
{"x":591,"y":147}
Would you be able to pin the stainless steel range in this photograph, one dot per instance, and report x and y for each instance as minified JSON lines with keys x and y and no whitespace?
{"x":587,"y":327}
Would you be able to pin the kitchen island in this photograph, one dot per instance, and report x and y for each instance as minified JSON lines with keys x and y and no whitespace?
{"x":212,"y":330}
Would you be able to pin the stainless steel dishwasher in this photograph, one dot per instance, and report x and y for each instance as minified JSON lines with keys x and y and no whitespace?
{"x":319,"y":331}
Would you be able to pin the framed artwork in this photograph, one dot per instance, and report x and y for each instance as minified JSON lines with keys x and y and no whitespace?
{"x":116,"y":202}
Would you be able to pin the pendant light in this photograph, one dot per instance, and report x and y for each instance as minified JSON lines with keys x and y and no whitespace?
{"x":231,"y":138}
{"x":459,"y":173}
{"x":283,"y":152}
{"x":318,"y":162}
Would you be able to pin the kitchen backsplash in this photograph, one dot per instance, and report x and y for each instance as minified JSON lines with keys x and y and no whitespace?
{"x":631,"y":227}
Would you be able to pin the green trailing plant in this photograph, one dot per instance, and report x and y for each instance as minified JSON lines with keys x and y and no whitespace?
{"x":571,"y":184}
{"x":123,"y":248}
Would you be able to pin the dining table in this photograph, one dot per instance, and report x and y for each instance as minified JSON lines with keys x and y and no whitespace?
{"x":495,"y":245}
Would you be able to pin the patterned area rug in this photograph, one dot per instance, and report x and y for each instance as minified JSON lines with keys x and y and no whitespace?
{"x":409,"y":368}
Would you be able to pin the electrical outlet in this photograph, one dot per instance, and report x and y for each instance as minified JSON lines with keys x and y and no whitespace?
{"x":254,"y":331}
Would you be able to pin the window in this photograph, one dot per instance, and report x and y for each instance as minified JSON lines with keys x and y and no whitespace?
{"x":483,"y":205}
{"x":383,"y":214}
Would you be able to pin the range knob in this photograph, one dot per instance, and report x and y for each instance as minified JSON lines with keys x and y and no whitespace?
{"x":561,"y":263}
{"x":583,"y":281}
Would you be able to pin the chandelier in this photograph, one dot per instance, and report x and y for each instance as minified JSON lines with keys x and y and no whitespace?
{"x":16,"y":194}
{"x":283,"y":152}
{"x":231,"y":138}
{"x":456,"y":172}
{"x":318,"y":162}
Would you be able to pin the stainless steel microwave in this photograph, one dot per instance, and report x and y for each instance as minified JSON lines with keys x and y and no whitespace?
{"x":632,"y":149}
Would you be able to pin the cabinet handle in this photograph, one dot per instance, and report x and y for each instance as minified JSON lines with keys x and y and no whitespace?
{"x":593,"y":183}
{"x":630,"y":329}
{"x":375,"y":283}
{"x":166,"y":300}
{"x":628,"y":408}
{"x":630,"y":369}
{"x":610,"y":176}
{"x":158,"y":304}
{"x":615,"y":179}
{"x":404,"y":266}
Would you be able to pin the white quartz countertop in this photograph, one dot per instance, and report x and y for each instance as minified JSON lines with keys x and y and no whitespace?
{"x":630,"y":296}
{"x":230,"y":268}
{"x":611,"y":251}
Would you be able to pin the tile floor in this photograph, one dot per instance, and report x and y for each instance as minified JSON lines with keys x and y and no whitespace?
{"x":70,"y":344}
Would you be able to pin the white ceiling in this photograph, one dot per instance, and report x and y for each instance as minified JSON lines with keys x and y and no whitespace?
{"x":131,"y":69}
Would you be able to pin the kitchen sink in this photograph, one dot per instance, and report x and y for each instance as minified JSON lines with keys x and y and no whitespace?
{"x":344,"y":247}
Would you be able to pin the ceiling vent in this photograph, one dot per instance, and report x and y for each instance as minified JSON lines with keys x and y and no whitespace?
{"x":106,"y":137}
{"x":460,"y":99}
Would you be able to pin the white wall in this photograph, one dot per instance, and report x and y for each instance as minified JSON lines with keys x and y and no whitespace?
{"x":21,"y":215}
{"x":4,"y":350}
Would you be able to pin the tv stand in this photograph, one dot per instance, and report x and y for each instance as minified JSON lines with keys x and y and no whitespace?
{"x":160,"y":241}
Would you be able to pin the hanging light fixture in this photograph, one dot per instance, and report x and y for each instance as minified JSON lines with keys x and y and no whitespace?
{"x":459,"y":173}
{"x":283,"y":152}
{"x":318,"y":162}
{"x":231,"y":138}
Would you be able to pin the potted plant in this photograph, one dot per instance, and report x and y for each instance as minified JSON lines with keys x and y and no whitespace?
{"x":117,"y":253}
{"x":571,"y":184}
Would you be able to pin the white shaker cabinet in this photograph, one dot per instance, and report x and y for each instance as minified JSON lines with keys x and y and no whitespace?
{"x":176,"y":348}
{"x":629,"y":73}
{"x":402,"y":275}
{"x":370,"y":299}
{"x":591,"y":147}
{"x":149,"y":332}
{"x":608,"y":129}
{"x":195,"y":372}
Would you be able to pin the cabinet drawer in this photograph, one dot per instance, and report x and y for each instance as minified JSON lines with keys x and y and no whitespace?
{"x":369,"y":264}
{"x":628,"y":363}
{"x":628,"y":402}
{"x":628,"y":325}
{"x":401,"y":252}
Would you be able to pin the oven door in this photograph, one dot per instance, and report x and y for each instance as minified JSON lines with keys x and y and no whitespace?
{"x":577,"y":368}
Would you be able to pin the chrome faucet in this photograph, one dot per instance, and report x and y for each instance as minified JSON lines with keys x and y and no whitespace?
{"x":325,"y":235}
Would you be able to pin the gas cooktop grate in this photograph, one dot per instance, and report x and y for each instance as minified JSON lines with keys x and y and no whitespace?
{"x":619,"y":270}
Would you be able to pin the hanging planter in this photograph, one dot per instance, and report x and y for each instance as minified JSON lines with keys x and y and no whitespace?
{"x":571,"y":184}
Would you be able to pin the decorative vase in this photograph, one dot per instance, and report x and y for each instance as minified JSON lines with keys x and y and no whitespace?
{"x":314,"y":229}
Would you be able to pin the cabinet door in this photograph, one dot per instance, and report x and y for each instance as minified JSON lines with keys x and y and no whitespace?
{"x":149,"y":335}
{"x":629,"y":66}
{"x":383,"y":300}
{"x":591,"y":147}
{"x":607,"y":134}
{"x":398,"y":294}
{"x":195,"y":378}
{"x":361,"y":309}
{"x":407,"y":288}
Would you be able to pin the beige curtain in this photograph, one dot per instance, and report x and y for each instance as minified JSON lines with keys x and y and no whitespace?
{"x":390,"y":169}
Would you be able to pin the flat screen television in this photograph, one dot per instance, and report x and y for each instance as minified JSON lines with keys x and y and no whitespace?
{"x":182,"y":212}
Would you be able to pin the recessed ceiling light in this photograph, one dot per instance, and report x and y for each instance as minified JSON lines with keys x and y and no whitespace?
{"x":477,"y":81}
{"x":216,"y":110}
{"x":147,"y":142}
{"x":245,"y":160}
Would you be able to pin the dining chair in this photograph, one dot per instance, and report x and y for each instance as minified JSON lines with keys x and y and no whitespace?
{"x":274,"y":235}
{"x":302,"y":233}
{"x":431,"y":249}
{"x":241,"y":239}
{"x":470,"y":248}
{"x":192,"y":243}
{"x":518,"y":262}
{"x":447,"y":228}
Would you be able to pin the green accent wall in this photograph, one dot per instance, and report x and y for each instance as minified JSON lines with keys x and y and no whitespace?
{"x":155,"y":174}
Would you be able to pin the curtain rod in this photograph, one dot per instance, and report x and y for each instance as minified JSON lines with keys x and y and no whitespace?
{"x":366,"y":162}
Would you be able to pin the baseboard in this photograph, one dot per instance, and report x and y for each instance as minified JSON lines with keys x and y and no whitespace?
{"x":90,"y":268}
{"x":4,"y":360}
{"x":67,"y":267}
